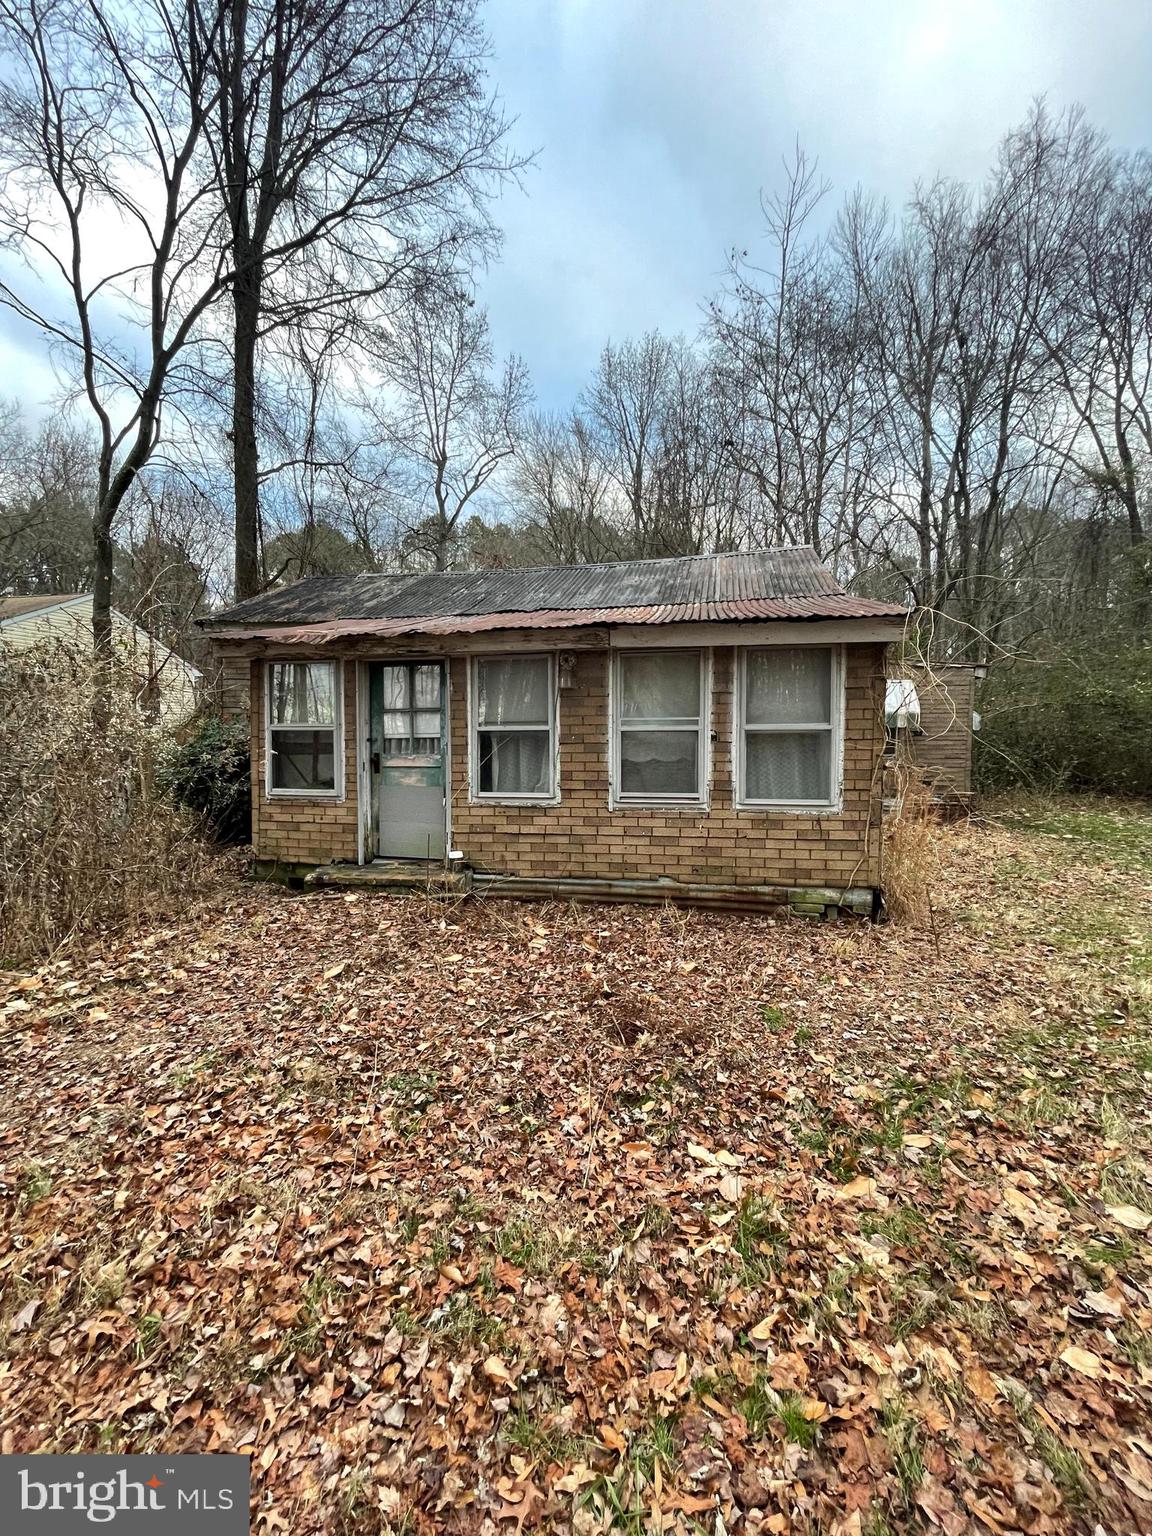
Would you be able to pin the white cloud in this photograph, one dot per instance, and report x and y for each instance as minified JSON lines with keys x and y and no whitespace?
{"x":659,"y":121}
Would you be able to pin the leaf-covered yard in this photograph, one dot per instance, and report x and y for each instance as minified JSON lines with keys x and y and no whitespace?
{"x":501,"y":1218}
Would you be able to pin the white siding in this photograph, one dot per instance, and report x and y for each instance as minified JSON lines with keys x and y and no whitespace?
{"x":71,"y":624}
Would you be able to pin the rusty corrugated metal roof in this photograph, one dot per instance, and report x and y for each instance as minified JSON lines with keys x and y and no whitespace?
{"x":834,"y":606}
{"x":766,"y":584}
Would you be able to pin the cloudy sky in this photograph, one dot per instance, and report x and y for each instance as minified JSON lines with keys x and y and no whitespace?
{"x":658,"y":122}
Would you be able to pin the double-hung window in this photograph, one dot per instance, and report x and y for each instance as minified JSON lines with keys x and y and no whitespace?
{"x":303,"y":719}
{"x":660,"y":747}
{"x":513,"y":728}
{"x":789,"y":738}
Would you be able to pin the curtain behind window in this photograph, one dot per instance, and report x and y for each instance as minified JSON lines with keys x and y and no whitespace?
{"x":784,"y":687}
{"x":513,"y":725}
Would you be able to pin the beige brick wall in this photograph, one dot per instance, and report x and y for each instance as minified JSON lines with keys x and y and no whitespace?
{"x":294,"y":829}
{"x":582,"y":837}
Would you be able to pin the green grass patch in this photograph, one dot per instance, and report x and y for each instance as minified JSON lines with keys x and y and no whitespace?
{"x":901,"y":1226}
{"x":905,"y":1443}
{"x":1062,"y":1461}
{"x":34,"y":1185}
{"x":542,"y":1441}
{"x":763,"y":1408}
{"x":759,"y":1237}
{"x":1125,"y":836}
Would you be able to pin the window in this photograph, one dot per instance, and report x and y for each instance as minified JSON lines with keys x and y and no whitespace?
{"x":514,"y":727}
{"x":789,"y":738}
{"x":304,"y":751}
{"x":410,"y":709}
{"x":659,"y":737}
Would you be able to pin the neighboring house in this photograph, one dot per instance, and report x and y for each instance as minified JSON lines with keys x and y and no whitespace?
{"x":708,"y":728}
{"x":166,"y":680}
{"x":931,"y":719}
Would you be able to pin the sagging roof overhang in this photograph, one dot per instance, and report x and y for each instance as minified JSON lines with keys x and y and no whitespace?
{"x":825,"y":606}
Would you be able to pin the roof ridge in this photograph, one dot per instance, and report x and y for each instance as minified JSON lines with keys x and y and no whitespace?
{"x":603,"y":565}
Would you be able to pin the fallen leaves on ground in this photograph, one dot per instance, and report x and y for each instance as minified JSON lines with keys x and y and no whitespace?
{"x":497,"y":1218}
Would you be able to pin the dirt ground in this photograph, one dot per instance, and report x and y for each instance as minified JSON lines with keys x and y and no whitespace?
{"x":500,"y":1218}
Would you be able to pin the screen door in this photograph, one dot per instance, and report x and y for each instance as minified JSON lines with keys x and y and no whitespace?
{"x":408,"y":770}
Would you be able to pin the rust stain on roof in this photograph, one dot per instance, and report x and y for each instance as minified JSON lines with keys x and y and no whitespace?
{"x":825,"y":605}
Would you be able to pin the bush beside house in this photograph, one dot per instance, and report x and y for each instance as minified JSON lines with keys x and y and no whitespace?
{"x":1080,"y":722}
{"x":208,"y":773}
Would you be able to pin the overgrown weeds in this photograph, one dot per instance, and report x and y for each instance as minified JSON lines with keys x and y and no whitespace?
{"x":911,"y":856}
{"x":87,"y":838}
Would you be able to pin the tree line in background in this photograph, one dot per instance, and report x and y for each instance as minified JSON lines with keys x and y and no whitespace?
{"x":266,"y":223}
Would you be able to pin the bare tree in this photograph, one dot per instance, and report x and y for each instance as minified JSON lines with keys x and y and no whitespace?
{"x":103,"y":116}
{"x":789,"y":337}
{"x":46,"y":493}
{"x":354,"y":145}
{"x":448,"y":413}
{"x":165,"y":558}
{"x":559,"y":486}
{"x":625,"y":404}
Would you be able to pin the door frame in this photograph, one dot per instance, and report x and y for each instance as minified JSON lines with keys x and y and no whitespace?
{"x":365,"y":853}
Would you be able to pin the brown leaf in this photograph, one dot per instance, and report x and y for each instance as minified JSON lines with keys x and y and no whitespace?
{"x":1130,"y":1216}
{"x":1082,"y":1360}
{"x":495,"y":1368}
{"x":858,"y":1189}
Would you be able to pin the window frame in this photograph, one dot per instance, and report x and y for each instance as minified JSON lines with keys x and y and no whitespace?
{"x":620,"y":799}
{"x":478,"y":796}
{"x":413,"y":709}
{"x":339,"y":768}
{"x":835,"y":726}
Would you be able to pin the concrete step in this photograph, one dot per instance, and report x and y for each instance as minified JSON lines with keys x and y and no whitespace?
{"x":394,"y":875}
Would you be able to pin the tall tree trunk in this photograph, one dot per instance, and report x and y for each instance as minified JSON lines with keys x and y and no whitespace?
{"x":102,"y":573}
{"x":245,"y":454}
{"x":112,"y":489}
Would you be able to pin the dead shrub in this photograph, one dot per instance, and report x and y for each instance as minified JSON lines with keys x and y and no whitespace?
{"x":86,"y":836}
{"x":911,"y":856}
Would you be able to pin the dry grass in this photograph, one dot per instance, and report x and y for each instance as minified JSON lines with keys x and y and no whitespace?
{"x":912,"y":867}
{"x":86,"y":838}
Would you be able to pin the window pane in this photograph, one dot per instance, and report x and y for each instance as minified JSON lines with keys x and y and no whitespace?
{"x":513,"y":691}
{"x":395,"y":722}
{"x":303,"y":759}
{"x":427,"y":722}
{"x":303,"y":693}
{"x":789,"y":685}
{"x":657,"y":685}
{"x":394,"y":685}
{"x":514,"y":762}
{"x":658,"y":762}
{"x":427,"y":687}
{"x":788,"y":765}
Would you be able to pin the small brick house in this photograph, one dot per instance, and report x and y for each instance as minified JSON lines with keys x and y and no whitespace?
{"x":707,"y":728}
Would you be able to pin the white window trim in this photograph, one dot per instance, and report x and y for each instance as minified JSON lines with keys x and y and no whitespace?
{"x":617,"y":799}
{"x":337,"y":792}
{"x":830,"y":807}
{"x":476,"y":795}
